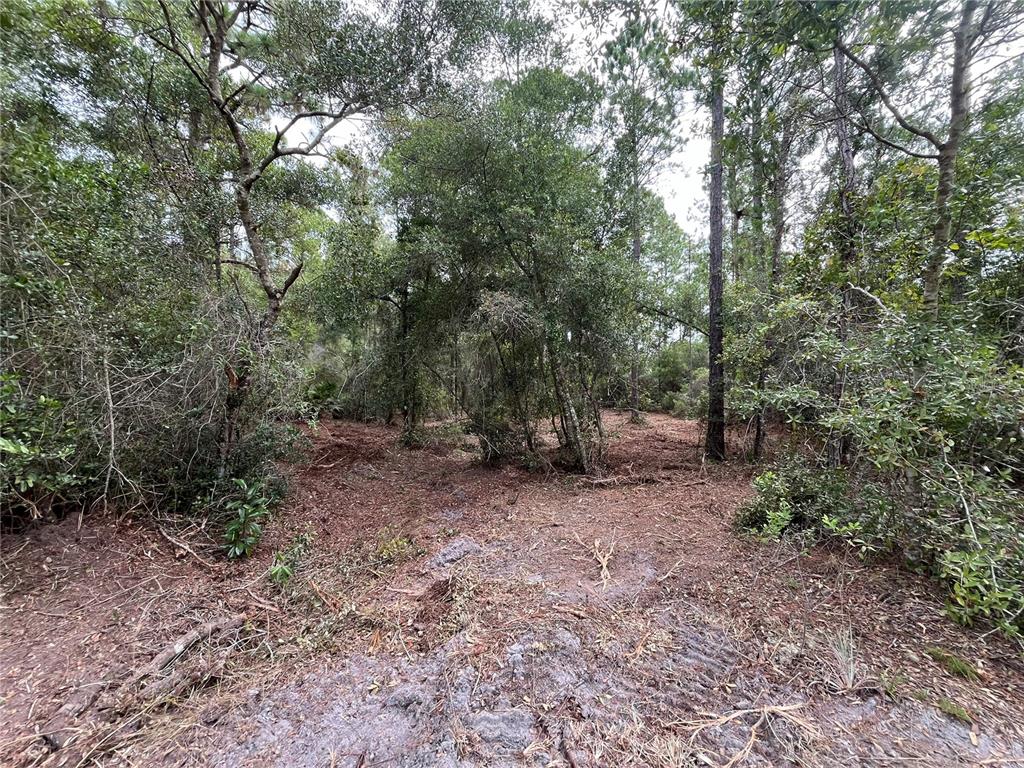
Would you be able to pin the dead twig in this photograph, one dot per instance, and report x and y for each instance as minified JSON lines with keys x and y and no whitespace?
{"x":329,"y":601}
{"x":185,"y":547}
{"x":622,"y":480}
{"x":784,"y":711}
{"x":566,"y":750}
{"x":672,"y":570}
{"x":602,"y":556}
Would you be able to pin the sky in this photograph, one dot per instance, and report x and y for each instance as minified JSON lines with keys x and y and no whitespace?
{"x":680,"y":183}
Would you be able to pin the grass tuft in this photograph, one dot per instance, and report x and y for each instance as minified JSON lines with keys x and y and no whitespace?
{"x":953,"y":709}
{"x":954,"y":664}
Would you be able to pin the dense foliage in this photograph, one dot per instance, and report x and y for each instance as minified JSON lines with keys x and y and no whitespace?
{"x":222,"y":219}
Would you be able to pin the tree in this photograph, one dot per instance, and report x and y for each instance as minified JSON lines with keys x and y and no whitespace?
{"x":510,"y":203}
{"x":715,"y":441}
{"x":709,"y":41}
{"x":977,"y":27}
{"x":352,"y":63}
{"x":644,"y":92}
{"x":863,"y":369}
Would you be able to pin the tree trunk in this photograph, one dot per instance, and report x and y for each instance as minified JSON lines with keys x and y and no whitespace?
{"x":780,"y":181}
{"x":715,"y":443}
{"x":959,"y":105}
{"x":757,"y":186}
{"x":247,"y":175}
{"x":847,"y":179}
{"x":846,"y":246}
{"x":778,"y":221}
{"x":736,"y":213}
{"x":634,"y":369}
{"x":407,"y":368}
{"x":574,"y":438}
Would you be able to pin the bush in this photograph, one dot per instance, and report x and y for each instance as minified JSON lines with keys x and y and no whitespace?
{"x":795,"y":495}
{"x":285,"y":562}
{"x":35,"y":447}
{"x":691,"y":403}
{"x":246,"y":510}
{"x":933,"y":419}
{"x":498,"y":439}
{"x":680,"y":379}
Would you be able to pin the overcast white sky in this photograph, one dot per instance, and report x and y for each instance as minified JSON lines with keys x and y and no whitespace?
{"x":681,"y":182}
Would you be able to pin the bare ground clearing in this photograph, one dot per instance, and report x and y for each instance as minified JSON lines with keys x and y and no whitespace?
{"x":449,"y":614}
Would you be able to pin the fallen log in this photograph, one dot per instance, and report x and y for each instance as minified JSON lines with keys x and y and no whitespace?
{"x":58,"y":730}
{"x":186,"y":676}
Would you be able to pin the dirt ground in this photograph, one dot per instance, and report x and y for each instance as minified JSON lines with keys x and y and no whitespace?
{"x":442,"y":613}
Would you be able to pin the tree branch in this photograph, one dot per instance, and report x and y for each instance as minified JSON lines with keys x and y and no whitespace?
{"x":886,"y":100}
{"x":671,"y":316}
{"x":238,"y":263}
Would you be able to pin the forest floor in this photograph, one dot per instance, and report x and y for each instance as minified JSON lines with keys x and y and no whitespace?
{"x":442,"y":613}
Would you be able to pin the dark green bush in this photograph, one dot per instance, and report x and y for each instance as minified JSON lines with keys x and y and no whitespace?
{"x":246,"y":510}
{"x":796,"y":495}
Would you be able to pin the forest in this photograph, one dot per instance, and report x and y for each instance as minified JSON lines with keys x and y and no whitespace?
{"x":512,"y":382}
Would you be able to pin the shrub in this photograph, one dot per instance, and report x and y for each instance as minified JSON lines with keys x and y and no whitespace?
{"x":286,"y":561}
{"x":932,"y":417}
{"x":795,"y":495}
{"x":246,"y":512}
{"x":771,"y":511}
{"x":35,"y":447}
{"x":691,"y":403}
{"x":679,"y":373}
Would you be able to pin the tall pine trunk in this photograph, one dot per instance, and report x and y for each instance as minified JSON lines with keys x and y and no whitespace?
{"x":846,"y":246}
{"x":714,"y":446}
{"x":634,"y":368}
{"x":778,"y":222}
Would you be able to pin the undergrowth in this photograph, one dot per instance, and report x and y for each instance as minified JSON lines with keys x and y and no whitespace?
{"x":978,"y":556}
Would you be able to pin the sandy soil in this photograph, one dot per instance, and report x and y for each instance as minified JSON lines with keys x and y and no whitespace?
{"x":442,"y":613}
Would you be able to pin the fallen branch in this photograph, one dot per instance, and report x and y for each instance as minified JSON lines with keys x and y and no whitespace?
{"x":672,"y":570}
{"x":328,"y":600}
{"x":185,"y":547}
{"x":186,"y":677}
{"x":57,"y":732}
{"x":603,"y":558}
{"x":622,"y":480}
{"x":566,"y":750}
{"x":182,"y":644}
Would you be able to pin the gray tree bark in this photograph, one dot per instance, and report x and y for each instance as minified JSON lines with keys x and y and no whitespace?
{"x":959,"y":106}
